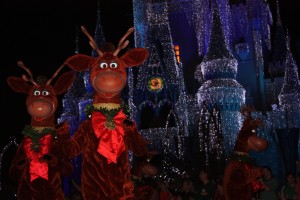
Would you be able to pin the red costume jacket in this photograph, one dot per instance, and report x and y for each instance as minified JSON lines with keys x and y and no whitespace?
{"x":105,"y":175}
{"x":39,"y":173}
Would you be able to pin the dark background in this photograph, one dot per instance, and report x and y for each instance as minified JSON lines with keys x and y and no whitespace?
{"x":42,"y":35}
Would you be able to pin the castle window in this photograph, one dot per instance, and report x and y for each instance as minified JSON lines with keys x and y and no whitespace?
{"x":177,"y":53}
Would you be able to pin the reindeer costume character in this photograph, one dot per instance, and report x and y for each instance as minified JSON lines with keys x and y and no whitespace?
{"x":38,"y":164}
{"x":105,"y":139}
{"x":240,"y":176}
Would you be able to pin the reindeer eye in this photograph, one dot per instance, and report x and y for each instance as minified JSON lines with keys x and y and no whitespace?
{"x":103,"y":65}
{"x":45,"y":93}
{"x":253,"y":131}
{"x":113,"y":65}
{"x":36,"y":93}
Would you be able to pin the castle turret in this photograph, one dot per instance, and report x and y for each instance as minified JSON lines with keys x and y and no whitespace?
{"x":289,"y":113}
{"x":160,"y":83}
{"x":289,"y":96}
{"x":220,"y":89}
{"x":276,"y":68}
{"x":157,"y":81}
{"x":277,"y":65}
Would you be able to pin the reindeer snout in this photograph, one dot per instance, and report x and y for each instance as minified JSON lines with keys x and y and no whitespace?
{"x":40,"y":108}
{"x":108,"y":82}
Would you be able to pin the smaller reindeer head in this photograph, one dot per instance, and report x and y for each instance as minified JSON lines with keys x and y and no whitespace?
{"x":41,"y":99}
{"x":247,"y":138}
{"x":108,"y":71}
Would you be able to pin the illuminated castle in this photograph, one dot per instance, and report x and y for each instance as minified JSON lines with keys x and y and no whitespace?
{"x":224,"y":52}
{"x":207,"y":59}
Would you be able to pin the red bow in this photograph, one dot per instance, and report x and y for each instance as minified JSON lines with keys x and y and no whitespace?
{"x":111,"y":143}
{"x":37,"y":168}
{"x":255,"y":185}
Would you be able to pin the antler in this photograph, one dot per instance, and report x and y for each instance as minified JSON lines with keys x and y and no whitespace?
{"x":55,"y":74}
{"x":24,"y":77}
{"x":123,"y":44}
{"x":92,"y":41}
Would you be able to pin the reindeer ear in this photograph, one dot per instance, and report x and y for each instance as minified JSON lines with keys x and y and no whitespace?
{"x":64,"y":82}
{"x":134,"y":57}
{"x":79,"y":62}
{"x":18,"y":84}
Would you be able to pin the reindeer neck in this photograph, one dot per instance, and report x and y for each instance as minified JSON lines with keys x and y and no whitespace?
{"x":113,"y":100}
{"x":48,"y":122}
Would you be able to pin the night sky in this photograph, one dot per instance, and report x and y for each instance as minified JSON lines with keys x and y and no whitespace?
{"x":42,"y":34}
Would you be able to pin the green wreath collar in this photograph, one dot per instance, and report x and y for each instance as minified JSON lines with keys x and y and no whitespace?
{"x":35,"y":135}
{"x":109,"y":113}
{"x":241,"y":157}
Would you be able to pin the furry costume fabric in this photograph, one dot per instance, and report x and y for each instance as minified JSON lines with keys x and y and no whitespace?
{"x":41,"y":188}
{"x":39,"y":164}
{"x":240,"y":175}
{"x":105,"y":139}
{"x":102,"y":179}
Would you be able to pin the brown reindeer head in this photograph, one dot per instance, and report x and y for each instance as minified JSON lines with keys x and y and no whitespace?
{"x":108,"y":71}
{"x":41,"y":99}
{"x":247,"y":138}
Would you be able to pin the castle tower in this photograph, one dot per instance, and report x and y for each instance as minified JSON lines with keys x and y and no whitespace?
{"x":278,"y":62}
{"x":250,"y":31}
{"x":289,"y":97}
{"x":289,"y":105}
{"x":220,"y":89}
{"x":157,"y":82}
{"x":202,"y":15}
{"x":276,"y":68}
{"x":182,"y":25}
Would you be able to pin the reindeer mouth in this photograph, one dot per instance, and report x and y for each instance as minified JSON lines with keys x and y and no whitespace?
{"x":256,"y":143}
{"x":40,"y":108}
{"x":109,"y":82}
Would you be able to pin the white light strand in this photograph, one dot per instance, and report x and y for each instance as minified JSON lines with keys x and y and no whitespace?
{"x":6,"y":147}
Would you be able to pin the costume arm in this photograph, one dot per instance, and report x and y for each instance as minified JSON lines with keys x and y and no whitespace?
{"x":65,"y":167}
{"x":133,"y":140}
{"x":19,"y":163}
{"x":72,"y":146}
{"x":61,"y":161}
{"x":233,"y":181}
{"x":253,"y":174}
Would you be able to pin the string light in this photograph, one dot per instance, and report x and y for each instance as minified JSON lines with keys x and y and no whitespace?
{"x":6,"y":147}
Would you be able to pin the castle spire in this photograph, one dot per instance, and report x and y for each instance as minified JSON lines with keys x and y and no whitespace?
{"x":280,"y":47}
{"x":220,"y":90}
{"x":98,"y":36}
{"x":278,"y":18}
{"x":218,"y":61}
{"x":290,"y":91}
{"x":157,"y":80}
{"x":217,"y":45}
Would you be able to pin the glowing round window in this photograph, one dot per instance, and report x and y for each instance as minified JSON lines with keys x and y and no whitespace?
{"x":155,"y":84}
